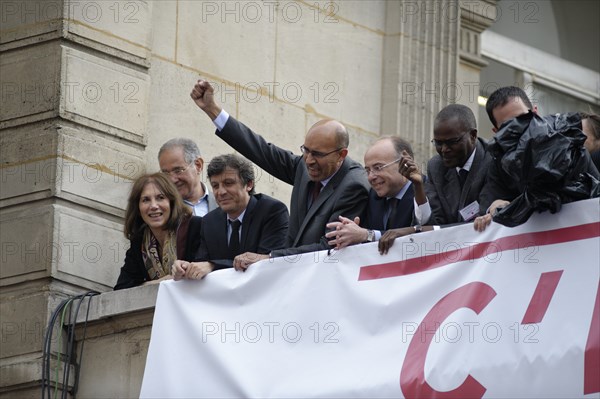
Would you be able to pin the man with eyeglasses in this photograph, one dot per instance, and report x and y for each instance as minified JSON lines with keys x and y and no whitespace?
{"x":455,"y":177}
{"x":327,"y":183}
{"x":396,"y":199}
{"x":180,"y":159}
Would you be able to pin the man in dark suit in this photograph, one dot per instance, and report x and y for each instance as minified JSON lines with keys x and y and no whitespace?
{"x":326,"y":182}
{"x":244,"y":222}
{"x":397,"y":185}
{"x":456,"y":176}
{"x":180,"y":159}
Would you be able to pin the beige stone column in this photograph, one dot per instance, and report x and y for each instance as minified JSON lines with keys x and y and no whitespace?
{"x":475,"y":17}
{"x":431,"y":59}
{"x":74,"y":87}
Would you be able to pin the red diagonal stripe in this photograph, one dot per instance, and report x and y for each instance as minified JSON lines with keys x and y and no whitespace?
{"x":591,"y":367}
{"x":541,"y":297}
{"x":428,"y":262}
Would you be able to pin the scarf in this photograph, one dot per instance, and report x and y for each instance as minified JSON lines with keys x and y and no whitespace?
{"x":155,"y":266}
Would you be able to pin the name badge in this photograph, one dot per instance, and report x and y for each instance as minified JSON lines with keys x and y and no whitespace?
{"x":470,"y":211}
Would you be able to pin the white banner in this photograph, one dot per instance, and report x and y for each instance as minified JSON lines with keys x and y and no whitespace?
{"x":511,"y":312}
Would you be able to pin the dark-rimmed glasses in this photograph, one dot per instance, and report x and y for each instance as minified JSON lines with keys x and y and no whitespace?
{"x":450,"y":142}
{"x":317,"y":154}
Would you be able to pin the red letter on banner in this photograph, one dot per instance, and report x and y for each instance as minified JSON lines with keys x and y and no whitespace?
{"x":474,"y":296}
{"x":591,"y":366}
{"x":544,"y":291}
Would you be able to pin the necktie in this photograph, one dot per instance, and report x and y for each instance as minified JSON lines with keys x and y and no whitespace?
{"x":314,"y":193}
{"x":462,"y":177}
{"x":234,"y":240}
{"x":392,"y":211}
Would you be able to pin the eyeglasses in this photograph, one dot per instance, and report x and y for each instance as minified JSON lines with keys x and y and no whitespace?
{"x":449,"y":143}
{"x":177,"y":171}
{"x":317,"y":154}
{"x":378,"y":168}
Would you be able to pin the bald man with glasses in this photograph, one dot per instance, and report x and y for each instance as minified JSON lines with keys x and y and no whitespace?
{"x":327,"y":183}
{"x":396,"y":199}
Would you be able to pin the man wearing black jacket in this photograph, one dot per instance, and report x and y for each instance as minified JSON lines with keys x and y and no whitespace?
{"x":244,"y":221}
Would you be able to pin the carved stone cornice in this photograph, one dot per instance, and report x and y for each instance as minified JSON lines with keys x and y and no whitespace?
{"x":475,"y":17}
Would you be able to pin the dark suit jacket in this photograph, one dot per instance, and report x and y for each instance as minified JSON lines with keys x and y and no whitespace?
{"x":443,"y":187}
{"x":133,"y":272}
{"x":264,"y":228}
{"x":376,"y":211}
{"x":346,"y":193}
